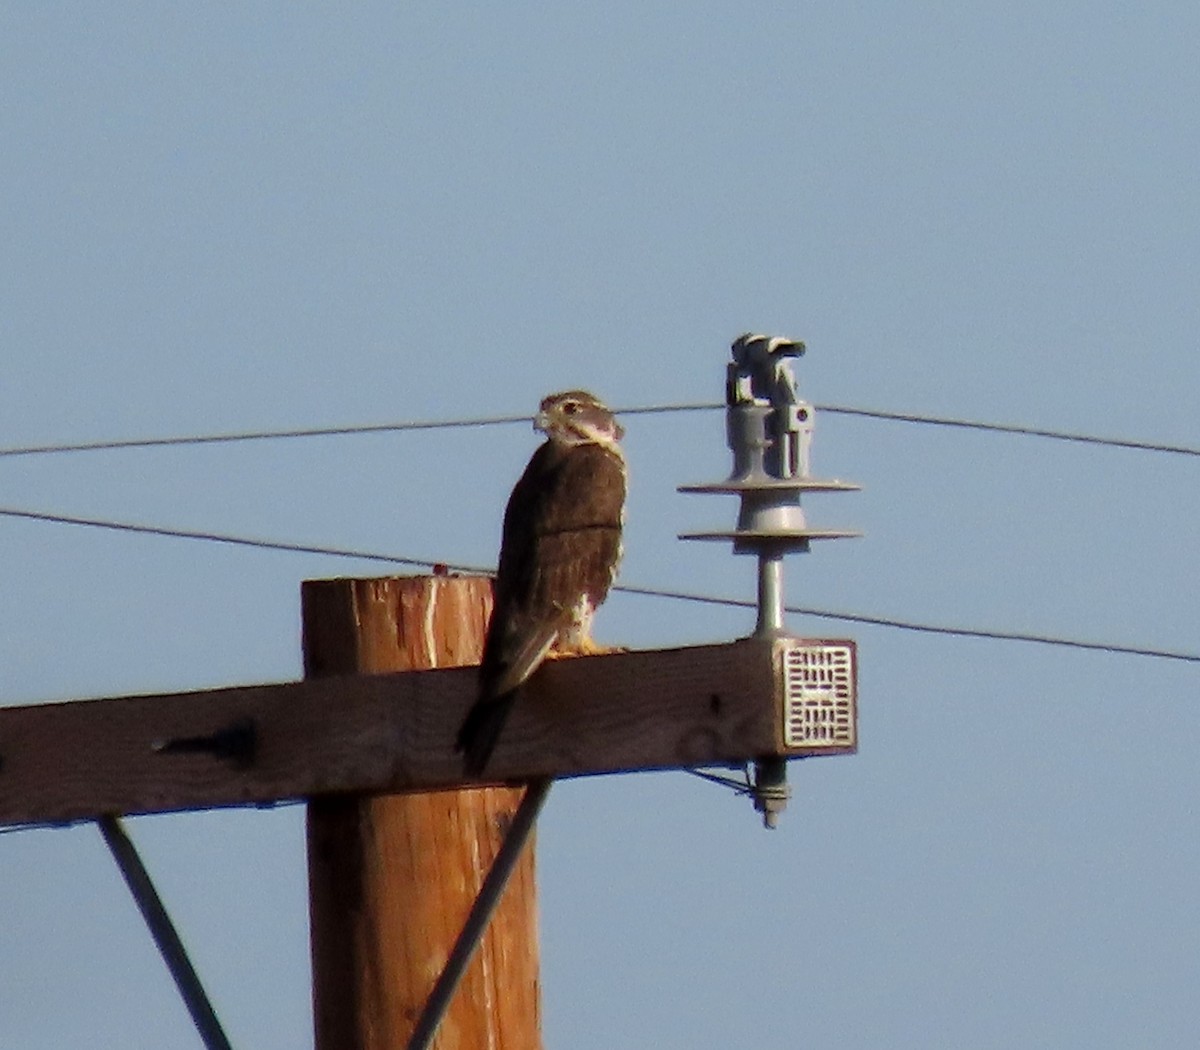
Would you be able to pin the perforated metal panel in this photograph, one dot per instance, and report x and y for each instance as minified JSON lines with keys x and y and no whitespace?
{"x":819,"y":696}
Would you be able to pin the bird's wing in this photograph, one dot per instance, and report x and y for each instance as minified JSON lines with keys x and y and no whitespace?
{"x":561,"y":542}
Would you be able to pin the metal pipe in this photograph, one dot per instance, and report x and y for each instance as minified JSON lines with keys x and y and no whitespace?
{"x":770,"y":593}
{"x":481,"y":913}
{"x":164,"y":933}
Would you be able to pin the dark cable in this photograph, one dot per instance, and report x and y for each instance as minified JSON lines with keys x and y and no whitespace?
{"x":487,"y":421}
{"x":1012,"y":428}
{"x":260,"y":435}
{"x":927,"y":628}
{"x":220,"y":537}
{"x":653,"y":592}
{"x":309,"y":432}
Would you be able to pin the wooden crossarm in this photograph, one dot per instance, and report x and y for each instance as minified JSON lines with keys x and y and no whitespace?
{"x":257,"y":745}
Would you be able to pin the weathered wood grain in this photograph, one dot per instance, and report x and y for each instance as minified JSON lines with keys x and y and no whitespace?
{"x":392,"y":877}
{"x":387,"y":733}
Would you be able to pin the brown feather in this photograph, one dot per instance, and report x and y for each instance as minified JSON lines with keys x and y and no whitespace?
{"x":561,"y":541}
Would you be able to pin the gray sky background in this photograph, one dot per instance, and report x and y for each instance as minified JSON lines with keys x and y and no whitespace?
{"x":241,"y":216}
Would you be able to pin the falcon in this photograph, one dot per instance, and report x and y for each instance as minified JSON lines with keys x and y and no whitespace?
{"x":559,"y":550}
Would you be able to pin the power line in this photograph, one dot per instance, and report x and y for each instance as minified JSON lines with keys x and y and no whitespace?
{"x":489,"y":421}
{"x":652,"y":592}
{"x":219,"y":537}
{"x":930,"y":628}
{"x":260,"y":435}
{"x":1013,"y":428}
{"x":313,"y":432}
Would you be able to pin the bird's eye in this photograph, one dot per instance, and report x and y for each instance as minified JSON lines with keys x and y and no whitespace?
{"x":570,"y":407}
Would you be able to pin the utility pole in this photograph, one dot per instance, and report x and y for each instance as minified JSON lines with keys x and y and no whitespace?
{"x":399,"y":838}
{"x":392,"y":877}
{"x":400,"y":842}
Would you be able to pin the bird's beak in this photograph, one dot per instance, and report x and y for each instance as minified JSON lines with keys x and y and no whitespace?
{"x":541,"y":421}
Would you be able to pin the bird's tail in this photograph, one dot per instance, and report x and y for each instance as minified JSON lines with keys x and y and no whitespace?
{"x":480,"y":730}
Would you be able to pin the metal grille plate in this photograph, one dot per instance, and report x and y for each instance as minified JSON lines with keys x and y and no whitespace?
{"x":819,"y":696}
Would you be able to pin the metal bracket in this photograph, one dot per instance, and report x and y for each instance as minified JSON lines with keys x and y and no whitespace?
{"x":166,"y":937}
{"x":236,"y":743}
{"x":480,"y":915}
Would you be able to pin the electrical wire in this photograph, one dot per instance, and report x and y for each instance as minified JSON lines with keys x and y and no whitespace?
{"x":1013,"y":428}
{"x":488,"y":421}
{"x":260,"y":435}
{"x":929,"y":628}
{"x":312,"y":432}
{"x":650,"y":592}
{"x":238,"y":541}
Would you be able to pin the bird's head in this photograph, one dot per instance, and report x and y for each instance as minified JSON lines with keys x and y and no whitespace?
{"x":576,"y":417}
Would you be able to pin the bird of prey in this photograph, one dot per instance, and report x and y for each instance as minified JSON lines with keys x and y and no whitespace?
{"x":559,"y":550}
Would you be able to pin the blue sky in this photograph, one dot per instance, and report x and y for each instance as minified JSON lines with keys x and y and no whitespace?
{"x":247,"y":216}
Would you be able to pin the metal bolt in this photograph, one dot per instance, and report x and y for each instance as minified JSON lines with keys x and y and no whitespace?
{"x":771,"y":790}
